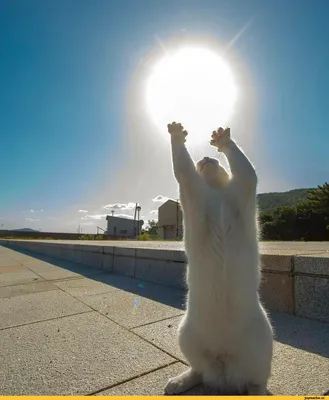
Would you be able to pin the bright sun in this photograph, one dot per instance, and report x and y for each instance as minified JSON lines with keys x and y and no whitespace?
{"x":193,"y":86}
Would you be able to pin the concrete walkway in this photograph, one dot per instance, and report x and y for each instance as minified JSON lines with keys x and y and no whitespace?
{"x":67,"y":329}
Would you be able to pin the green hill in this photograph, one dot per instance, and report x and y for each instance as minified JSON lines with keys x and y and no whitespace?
{"x":268,"y":202}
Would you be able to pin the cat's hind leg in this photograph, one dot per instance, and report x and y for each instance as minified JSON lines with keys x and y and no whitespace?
{"x":183,"y":382}
{"x":191,"y":348}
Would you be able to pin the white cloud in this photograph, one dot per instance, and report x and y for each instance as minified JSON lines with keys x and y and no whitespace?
{"x":120,"y":206}
{"x":82,"y":211}
{"x":96,"y":216}
{"x":32,"y":219}
{"x":154,"y":212}
{"x":32,"y":211}
{"x":160,"y":199}
{"x":124,"y":216}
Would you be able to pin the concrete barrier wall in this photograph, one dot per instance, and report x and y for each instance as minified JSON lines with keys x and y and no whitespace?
{"x":51,"y":235}
{"x":296,"y":285}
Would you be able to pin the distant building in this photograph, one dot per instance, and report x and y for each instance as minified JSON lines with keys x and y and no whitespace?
{"x":170,"y":220}
{"x":123,"y":227}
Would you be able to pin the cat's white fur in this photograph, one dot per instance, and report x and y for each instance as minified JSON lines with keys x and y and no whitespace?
{"x":225,"y":333}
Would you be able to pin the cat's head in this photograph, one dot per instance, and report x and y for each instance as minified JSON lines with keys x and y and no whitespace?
{"x":213,"y":173}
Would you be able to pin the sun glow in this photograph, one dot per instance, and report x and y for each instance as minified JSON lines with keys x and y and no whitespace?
{"x":193,"y":86}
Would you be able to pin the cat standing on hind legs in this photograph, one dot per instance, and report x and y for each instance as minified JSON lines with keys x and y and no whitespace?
{"x":225,"y":334}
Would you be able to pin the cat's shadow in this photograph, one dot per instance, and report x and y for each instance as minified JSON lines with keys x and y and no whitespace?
{"x":202,"y":390}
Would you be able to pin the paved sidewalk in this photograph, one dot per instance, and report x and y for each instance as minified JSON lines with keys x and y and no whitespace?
{"x":67,"y":329}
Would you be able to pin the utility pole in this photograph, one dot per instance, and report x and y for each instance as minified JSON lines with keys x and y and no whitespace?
{"x":138,"y":224}
{"x":135,"y":231}
{"x":177,"y":219}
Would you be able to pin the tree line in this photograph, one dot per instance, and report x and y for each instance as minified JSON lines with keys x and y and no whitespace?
{"x":308,"y":220}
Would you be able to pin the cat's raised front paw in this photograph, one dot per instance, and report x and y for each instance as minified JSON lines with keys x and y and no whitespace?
{"x":220,"y":138}
{"x":177,"y":131}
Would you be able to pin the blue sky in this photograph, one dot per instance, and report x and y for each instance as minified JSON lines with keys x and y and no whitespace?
{"x":65,"y":70}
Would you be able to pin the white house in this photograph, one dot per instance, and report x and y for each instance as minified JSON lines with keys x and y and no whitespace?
{"x":123,"y":227}
{"x":170,"y":220}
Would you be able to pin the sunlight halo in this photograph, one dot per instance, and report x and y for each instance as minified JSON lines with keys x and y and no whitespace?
{"x":194,"y":86}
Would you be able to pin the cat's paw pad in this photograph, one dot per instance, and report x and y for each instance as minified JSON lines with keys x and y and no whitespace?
{"x":175,"y":385}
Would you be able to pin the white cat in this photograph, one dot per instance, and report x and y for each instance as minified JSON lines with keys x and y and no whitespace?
{"x":225,"y":334}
